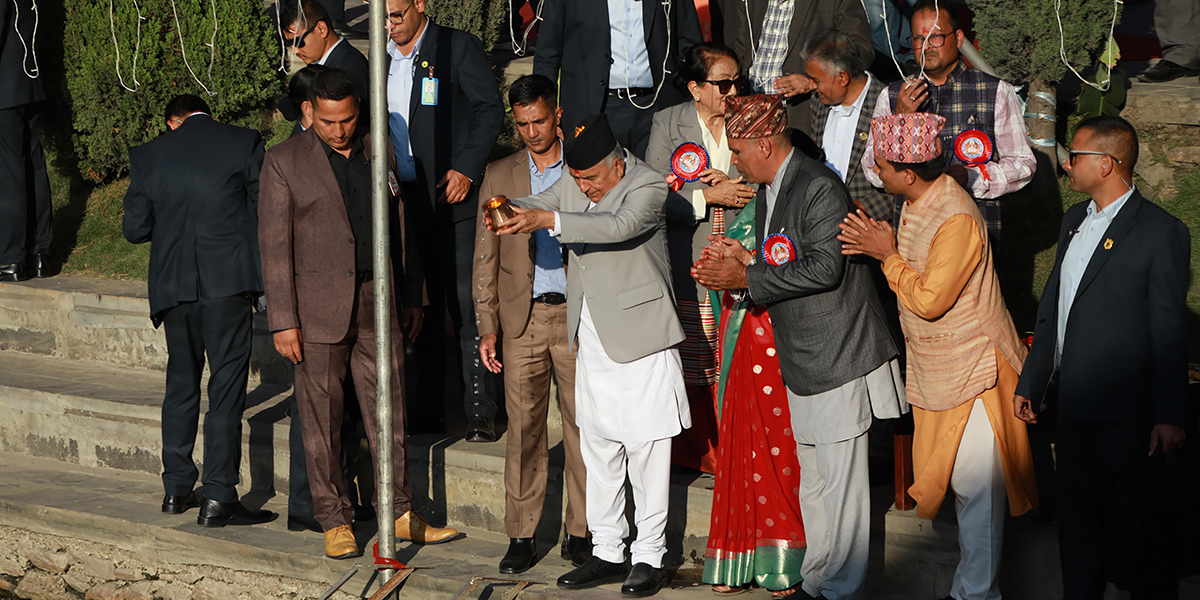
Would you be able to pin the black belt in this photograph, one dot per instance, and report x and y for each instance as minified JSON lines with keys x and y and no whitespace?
{"x":550,"y":298}
{"x":630,"y":92}
{"x":363,"y":276}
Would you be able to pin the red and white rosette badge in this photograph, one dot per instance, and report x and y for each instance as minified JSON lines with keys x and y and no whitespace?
{"x":778,"y":249}
{"x":974,"y":147}
{"x":687,"y":163}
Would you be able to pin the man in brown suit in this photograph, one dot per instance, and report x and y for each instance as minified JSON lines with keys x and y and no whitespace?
{"x":521,"y":293}
{"x":315,"y":237}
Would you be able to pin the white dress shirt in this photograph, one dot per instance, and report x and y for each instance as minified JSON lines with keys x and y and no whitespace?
{"x":630,"y":59}
{"x":329,"y":50}
{"x":1080,"y":248}
{"x":773,"y":193}
{"x":840,"y":128}
{"x":400,"y":80}
{"x":719,"y":157}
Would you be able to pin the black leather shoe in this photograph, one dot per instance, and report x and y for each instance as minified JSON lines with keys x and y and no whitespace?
{"x":1165,"y":70}
{"x":220,"y":514}
{"x":39,"y":265}
{"x":644,"y":580}
{"x":576,"y":549}
{"x":522,"y":553}
{"x":13,"y":272}
{"x":177,"y":505}
{"x":593,"y":573}
{"x":480,"y":429}
{"x":303,"y":523}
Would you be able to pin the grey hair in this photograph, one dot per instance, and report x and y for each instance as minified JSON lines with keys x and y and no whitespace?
{"x":611,"y":158}
{"x":836,"y":51}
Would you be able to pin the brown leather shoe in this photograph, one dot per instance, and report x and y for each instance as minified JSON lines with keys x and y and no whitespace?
{"x":339,"y":543}
{"x":411,"y":527}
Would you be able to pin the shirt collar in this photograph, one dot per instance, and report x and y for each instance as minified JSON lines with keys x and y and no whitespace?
{"x":1109,"y":213}
{"x":775,"y":183}
{"x":329,"y":51}
{"x":533,"y":170}
{"x":394,"y":50}
{"x":356,"y":146}
{"x":846,"y":111}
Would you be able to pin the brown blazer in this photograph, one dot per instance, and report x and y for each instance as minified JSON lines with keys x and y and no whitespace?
{"x":504,"y":264}
{"x":307,"y":244}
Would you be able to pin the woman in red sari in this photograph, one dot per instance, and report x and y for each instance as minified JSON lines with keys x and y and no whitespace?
{"x":756,"y":534}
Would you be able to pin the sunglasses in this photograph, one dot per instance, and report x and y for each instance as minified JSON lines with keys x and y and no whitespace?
{"x":1071,"y":154}
{"x":298,"y":41}
{"x":724,"y":85}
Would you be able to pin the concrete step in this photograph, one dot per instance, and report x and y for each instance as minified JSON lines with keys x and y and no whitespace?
{"x":96,"y":414}
{"x":1173,"y":102}
{"x":72,"y":316}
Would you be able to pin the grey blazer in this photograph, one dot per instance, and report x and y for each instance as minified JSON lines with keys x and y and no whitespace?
{"x":829,"y":324}
{"x":618,"y":260}
{"x":686,"y":236}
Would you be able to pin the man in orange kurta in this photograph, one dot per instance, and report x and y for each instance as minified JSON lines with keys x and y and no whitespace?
{"x":963,"y":351}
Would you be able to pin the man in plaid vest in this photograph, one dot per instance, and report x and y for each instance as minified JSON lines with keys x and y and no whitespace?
{"x":987,"y":146}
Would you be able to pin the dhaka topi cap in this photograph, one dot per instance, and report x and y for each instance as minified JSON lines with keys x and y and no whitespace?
{"x":590,"y":142}
{"x":908,"y":138}
{"x":757,"y":116}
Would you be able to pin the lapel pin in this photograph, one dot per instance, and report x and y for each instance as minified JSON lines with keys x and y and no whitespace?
{"x":1108,"y":244}
{"x":862,"y":135}
{"x":424,"y":64}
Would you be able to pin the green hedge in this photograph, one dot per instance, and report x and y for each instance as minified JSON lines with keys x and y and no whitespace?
{"x":487,"y":19}
{"x":95,"y":120}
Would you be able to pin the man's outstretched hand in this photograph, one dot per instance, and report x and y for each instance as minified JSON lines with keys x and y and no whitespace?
{"x":527,"y":220}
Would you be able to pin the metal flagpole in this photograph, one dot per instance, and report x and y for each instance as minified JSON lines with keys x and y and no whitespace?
{"x":383,"y":281}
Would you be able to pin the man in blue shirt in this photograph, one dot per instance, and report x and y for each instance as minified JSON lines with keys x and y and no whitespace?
{"x":521,"y":294}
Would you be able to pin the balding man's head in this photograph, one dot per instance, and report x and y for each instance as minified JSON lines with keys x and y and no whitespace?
{"x":1115,"y":136}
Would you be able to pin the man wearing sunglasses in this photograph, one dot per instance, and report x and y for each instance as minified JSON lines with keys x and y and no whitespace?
{"x":311,"y":36}
{"x":981,"y":112}
{"x":1110,"y":347}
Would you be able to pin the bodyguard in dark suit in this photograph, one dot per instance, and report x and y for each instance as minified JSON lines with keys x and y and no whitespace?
{"x":837,"y":358}
{"x":24,"y":187}
{"x":193,"y":192}
{"x":310,"y":33}
{"x":445,"y":113}
{"x":1109,"y":348}
{"x":611,"y":57}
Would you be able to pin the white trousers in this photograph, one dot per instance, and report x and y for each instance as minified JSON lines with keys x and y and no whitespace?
{"x":835,"y":502}
{"x":648,"y":466}
{"x":980,"y":499}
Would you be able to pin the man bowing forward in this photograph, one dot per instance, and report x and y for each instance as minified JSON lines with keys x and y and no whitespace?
{"x":629,"y":394}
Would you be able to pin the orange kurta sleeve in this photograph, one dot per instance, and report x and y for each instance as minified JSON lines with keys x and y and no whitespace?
{"x":955,"y":252}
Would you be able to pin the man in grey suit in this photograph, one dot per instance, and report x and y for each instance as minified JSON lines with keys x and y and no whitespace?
{"x":629,"y":393}
{"x":837,"y":358}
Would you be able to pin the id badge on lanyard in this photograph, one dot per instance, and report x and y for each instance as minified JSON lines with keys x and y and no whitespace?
{"x":429,"y":89}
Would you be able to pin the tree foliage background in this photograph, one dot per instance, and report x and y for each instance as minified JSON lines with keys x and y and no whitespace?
{"x":487,"y":19}
{"x":1020,"y":37}
{"x":95,"y":120}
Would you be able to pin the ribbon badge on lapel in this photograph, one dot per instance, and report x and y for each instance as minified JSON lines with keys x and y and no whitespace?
{"x":778,"y":249}
{"x":974,"y":147}
{"x":1108,"y":243}
{"x":687,"y":163}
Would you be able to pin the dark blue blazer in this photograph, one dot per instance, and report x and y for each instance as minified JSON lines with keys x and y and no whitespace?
{"x":193,"y":193}
{"x":1125,"y":347}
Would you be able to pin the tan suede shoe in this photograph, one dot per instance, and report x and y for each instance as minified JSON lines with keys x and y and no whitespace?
{"x":339,"y":543}
{"x":411,"y":527}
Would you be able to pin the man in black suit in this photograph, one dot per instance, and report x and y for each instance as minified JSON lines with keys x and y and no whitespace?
{"x":445,"y":113}
{"x":24,"y":187}
{"x":612,"y":57}
{"x":310,"y":33}
{"x":193,"y":192}
{"x":1110,"y":344}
